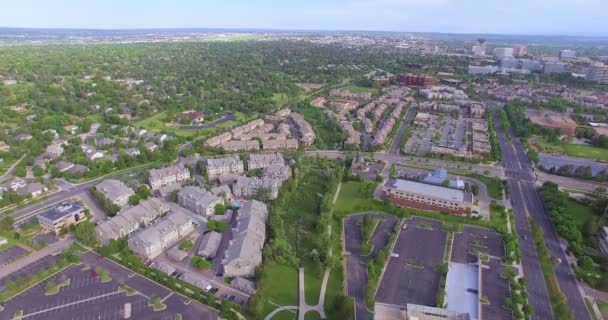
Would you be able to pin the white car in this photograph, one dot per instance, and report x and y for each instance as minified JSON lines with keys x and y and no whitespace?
{"x":208,"y":287}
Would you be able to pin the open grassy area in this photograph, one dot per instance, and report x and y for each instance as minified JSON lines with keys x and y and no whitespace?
{"x":579,"y":212}
{"x":312,"y":315}
{"x":280,"y":99}
{"x":494,"y":185}
{"x":573,"y":150}
{"x":156,"y":123}
{"x":358,"y":89}
{"x":280,"y":286}
{"x":603,"y":305}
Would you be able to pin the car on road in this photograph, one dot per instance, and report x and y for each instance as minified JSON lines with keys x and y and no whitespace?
{"x":471,"y":290}
{"x":214,"y":290}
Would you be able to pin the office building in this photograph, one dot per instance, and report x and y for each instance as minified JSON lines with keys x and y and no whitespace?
{"x":567,"y":54}
{"x":598,"y":74}
{"x":520,"y":51}
{"x":554,"y":67}
{"x":501,"y":53}
{"x":428,"y":197}
{"x":61,"y":217}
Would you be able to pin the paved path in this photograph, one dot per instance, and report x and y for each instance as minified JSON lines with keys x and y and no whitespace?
{"x":277,"y":310}
{"x":303,"y":307}
{"x":9,"y":171}
{"x":52,"y":249}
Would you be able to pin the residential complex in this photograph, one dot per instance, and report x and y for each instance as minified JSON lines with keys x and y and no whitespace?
{"x":262,"y":161}
{"x":115,"y":191}
{"x":198,"y":200}
{"x":244,"y":251}
{"x":130,"y":220}
{"x":159,"y":178}
{"x":152,"y":241}
{"x":222,"y":166}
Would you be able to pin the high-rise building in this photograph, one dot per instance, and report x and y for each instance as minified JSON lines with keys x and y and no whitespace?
{"x":419,"y":80}
{"x":554,"y":67}
{"x":483,"y":70}
{"x":567,"y":54}
{"x":529,"y":64}
{"x":501,"y":53}
{"x":509,"y":63}
{"x":598,"y":73}
{"x":520,"y":51}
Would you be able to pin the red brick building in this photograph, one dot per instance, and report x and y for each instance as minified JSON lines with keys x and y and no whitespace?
{"x":416,"y":80}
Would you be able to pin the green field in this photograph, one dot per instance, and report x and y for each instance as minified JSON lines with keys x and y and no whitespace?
{"x":279,"y":284}
{"x":280,"y":99}
{"x":603,"y":305}
{"x":156,"y":124}
{"x":574,"y":150}
{"x":357,"y":89}
{"x":581,"y":213}
{"x":494,"y":185}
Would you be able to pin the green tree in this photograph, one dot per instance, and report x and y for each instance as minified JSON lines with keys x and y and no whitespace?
{"x":85,"y":233}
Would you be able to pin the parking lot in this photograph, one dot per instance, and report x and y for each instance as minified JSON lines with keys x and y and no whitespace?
{"x":32,"y":268}
{"x":86,"y":297}
{"x":356,"y":264}
{"x":411,"y":275}
{"x":496,"y":289}
{"x":11,"y":254}
{"x":373,"y":170}
{"x":443,"y":130}
{"x":478,"y":239}
{"x":48,"y":238}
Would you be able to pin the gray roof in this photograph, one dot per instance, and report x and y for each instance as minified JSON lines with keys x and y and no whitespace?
{"x":265,"y":160}
{"x":428,"y":190}
{"x":157,"y":174}
{"x":114,"y":189}
{"x":223,"y":162}
{"x":249,"y":234}
{"x":159,"y":230}
{"x":210,"y":244}
{"x":129,"y":220}
{"x":243,"y":284}
{"x":199,"y":196}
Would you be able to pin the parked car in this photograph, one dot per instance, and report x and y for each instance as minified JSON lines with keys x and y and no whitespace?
{"x":214,"y":290}
{"x":208,"y":288}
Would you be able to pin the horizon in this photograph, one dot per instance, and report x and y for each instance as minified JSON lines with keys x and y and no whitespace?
{"x":516,"y":17}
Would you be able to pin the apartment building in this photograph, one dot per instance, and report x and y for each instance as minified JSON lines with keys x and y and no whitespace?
{"x":262,"y":161}
{"x":159,"y":178}
{"x":222,"y":166}
{"x":236,"y":145}
{"x":151,"y":242}
{"x":244,"y":252}
{"x":115,"y":191}
{"x":305,"y":133}
{"x":246,"y":187}
{"x":198,"y":200}
{"x":280,"y":144}
{"x":130,"y":220}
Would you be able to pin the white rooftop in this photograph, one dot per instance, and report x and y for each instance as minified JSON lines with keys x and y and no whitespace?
{"x":426,"y":189}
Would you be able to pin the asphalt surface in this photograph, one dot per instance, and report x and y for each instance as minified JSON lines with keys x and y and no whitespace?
{"x":526,"y":201}
{"x":356,"y":264}
{"x":396,"y":143}
{"x":228,"y":116}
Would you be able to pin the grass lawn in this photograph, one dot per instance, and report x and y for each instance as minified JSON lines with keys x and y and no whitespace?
{"x":357,"y":89}
{"x":280,"y":99}
{"x":574,"y":150}
{"x":313,"y":277}
{"x":279,"y":286}
{"x":285,"y":315}
{"x":603,"y":305}
{"x":312,"y":315}
{"x":579,"y":212}
{"x":357,"y":197}
{"x":156,"y":124}
{"x":494,"y":185}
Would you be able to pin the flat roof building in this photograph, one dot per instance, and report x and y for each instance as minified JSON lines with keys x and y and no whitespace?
{"x":61,"y":216}
{"x":428,"y":197}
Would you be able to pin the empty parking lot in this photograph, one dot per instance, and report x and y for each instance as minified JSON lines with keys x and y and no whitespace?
{"x":11,"y":254}
{"x":496,"y":289}
{"x":475,"y":239}
{"x":412,"y":277}
{"x":86,"y":297}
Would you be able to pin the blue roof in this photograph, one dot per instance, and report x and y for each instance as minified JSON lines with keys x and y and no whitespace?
{"x":61,"y":211}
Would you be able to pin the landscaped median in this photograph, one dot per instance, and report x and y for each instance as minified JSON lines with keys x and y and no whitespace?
{"x":375,"y":267}
{"x":20,"y":284}
{"x":558,"y":299}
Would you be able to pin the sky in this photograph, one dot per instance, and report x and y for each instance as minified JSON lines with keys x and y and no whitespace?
{"x":451,"y":16}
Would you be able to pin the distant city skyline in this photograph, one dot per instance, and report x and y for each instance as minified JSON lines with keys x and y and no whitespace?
{"x":546,"y":17}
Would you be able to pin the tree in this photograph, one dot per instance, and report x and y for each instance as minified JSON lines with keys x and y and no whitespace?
{"x":220,"y":209}
{"x":6,"y":223}
{"x":134,"y":199}
{"x":446,"y":183}
{"x":38,"y":171}
{"x":144,"y":192}
{"x":20,"y":171}
{"x":85,"y":233}
{"x":186,"y":245}
{"x":585,"y":262}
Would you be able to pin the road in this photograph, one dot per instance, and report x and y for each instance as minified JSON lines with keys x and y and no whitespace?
{"x":527,"y":202}
{"x":9,"y":171}
{"x":396,"y":144}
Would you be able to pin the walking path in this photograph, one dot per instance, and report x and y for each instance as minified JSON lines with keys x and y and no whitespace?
{"x":277,"y":310}
{"x":303,"y":307}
